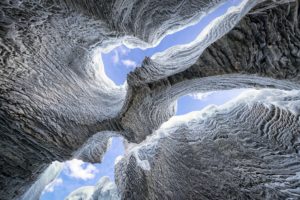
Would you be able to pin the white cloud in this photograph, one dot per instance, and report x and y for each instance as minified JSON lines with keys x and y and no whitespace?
{"x":118,"y":159}
{"x":50,"y":187}
{"x":78,"y":169}
{"x":201,"y":96}
{"x":123,"y":50}
{"x":115,"y":57}
{"x":129,"y":63}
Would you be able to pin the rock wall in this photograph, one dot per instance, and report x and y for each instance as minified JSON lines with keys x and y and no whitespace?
{"x":54,"y":93}
{"x":56,"y":101}
{"x":245,"y":149}
{"x":262,"y":50}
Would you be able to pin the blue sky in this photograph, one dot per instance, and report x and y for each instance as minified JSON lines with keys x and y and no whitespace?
{"x":194,"y":102}
{"x":118,"y":63}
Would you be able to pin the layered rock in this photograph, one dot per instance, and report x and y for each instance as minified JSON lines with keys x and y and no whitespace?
{"x":262,"y":50}
{"x":54,"y":94}
{"x":57,"y":103}
{"x":245,"y":149}
{"x":248,"y":150}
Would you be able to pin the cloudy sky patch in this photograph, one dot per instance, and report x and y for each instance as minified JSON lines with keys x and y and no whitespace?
{"x":78,"y":169}
{"x":129,"y":63}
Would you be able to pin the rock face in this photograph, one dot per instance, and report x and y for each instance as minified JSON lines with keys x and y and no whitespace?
{"x":241,"y":150}
{"x":54,"y":93}
{"x":250,"y":55}
{"x":57,"y":103}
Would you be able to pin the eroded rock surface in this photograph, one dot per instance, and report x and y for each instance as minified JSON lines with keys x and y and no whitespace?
{"x":57,"y":103}
{"x":261,"y":51}
{"x":246,"y":149}
{"x":54,"y":94}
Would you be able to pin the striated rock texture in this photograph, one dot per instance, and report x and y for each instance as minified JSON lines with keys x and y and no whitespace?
{"x":57,"y":103}
{"x":262,"y":50}
{"x":247,"y":149}
{"x":54,"y":93}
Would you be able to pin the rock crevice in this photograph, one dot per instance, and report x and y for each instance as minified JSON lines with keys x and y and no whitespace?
{"x":56,"y":100}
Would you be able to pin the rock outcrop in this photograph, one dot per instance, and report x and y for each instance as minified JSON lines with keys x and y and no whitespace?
{"x":54,"y":93}
{"x":245,"y":149}
{"x":262,"y":50}
{"x":57,"y":103}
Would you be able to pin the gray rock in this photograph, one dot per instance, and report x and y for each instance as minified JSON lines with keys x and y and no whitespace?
{"x":54,"y":95}
{"x":258,"y":52}
{"x":57,"y":103}
{"x":241,"y":150}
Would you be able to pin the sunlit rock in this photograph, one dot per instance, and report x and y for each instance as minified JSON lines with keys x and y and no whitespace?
{"x":254,"y":54}
{"x":54,"y":93}
{"x":245,"y":149}
{"x":56,"y":103}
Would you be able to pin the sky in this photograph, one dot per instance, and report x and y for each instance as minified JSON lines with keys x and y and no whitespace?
{"x":118,"y":63}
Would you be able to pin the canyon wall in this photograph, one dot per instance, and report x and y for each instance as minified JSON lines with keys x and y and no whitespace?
{"x":57,"y":103}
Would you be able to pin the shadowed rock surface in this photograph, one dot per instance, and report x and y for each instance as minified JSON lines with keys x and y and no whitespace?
{"x":57,"y":103}
{"x":261,"y":51}
{"x":54,"y":94}
{"x":241,"y":150}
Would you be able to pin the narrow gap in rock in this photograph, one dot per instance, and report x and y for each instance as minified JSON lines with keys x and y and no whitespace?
{"x":117,"y":64}
{"x":77,"y":173}
{"x":122,"y":60}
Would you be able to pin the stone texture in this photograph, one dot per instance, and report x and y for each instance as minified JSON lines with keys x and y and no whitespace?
{"x":57,"y":103}
{"x":261,"y":51}
{"x":54,"y":94}
{"x":241,"y":150}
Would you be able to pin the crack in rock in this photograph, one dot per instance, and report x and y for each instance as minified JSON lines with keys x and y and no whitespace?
{"x":56,"y":103}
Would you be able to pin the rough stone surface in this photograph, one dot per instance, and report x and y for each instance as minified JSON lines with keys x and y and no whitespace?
{"x":261,"y":51}
{"x":54,"y":94}
{"x":241,"y":150}
{"x":57,"y":103}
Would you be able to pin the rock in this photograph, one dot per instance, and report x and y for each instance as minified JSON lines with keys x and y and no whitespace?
{"x":245,"y":149}
{"x":57,"y":103}
{"x":104,"y":190}
{"x":54,"y":93}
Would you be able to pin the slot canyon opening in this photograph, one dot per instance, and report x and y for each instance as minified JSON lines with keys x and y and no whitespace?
{"x":175,"y":127}
{"x":121,"y":60}
{"x":117,"y":64}
{"x":76,"y":173}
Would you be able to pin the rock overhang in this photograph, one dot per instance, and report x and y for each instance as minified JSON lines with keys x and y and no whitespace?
{"x":52,"y":103}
